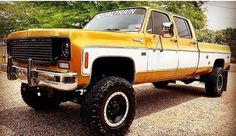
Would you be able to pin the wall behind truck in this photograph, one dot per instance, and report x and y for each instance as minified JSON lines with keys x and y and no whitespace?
{"x":3,"y":51}
{"x":3,"y":54}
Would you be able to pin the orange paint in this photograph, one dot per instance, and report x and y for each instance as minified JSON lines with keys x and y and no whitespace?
{"x":85,"y":38}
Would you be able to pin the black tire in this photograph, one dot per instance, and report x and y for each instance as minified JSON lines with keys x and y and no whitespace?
{"x":215,"y":82}
{"x":162,"y":84}
{"x":39,"y":98}
{"x":102,"y":97}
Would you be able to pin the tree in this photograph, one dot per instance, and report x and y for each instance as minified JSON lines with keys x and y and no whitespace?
{"x":188,"y":10}
{"x":225,"y":37}
{"x":65,"y":14}
{"x":206,"y":35}
{"x":228,"y":37}
{"x":16,"y":16}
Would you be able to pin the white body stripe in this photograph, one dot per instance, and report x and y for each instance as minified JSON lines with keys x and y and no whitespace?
{"x":188,"y":59}
{"x":162,"y":61}
{"x":132,"y":53}
{"x":154,"y":60}
{"x":208,"y":59}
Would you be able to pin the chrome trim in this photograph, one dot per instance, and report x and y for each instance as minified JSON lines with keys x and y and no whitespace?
{"x":140,"y":40}
{"x":216,"y":52}
{"x":123,"y":47}
{"x":29,"y":69}
{"x":35,"y":77}
{"x":111,"y":124}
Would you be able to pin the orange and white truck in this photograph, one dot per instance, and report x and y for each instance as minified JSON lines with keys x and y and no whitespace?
{"x":96,"y":66}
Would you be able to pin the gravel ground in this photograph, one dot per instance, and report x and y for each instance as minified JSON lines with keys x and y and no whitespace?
{"x":177,"y":110}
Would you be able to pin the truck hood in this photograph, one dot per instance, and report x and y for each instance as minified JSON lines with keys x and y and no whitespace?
{"x":81,"y":37}
{"x":40,"y":33}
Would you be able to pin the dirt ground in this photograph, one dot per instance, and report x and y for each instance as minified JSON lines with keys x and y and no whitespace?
{"x":178,"y":110}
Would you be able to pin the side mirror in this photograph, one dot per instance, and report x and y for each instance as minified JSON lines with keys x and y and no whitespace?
{"x":167,"y":30}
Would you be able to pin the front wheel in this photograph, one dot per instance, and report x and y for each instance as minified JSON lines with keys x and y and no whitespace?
{"x":110,"y":106}
{"x":214,"y":84}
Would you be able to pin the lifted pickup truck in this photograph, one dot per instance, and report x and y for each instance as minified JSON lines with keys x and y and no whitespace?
{"x":96,"y":66}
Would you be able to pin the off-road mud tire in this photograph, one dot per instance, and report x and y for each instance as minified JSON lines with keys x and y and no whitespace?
{"x":96,"y":99}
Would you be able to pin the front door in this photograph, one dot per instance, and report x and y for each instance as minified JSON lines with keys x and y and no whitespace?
{"x":162,"y":53}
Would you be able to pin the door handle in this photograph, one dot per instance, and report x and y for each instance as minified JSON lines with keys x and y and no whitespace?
{"x":194,"y":43}
{"x":173,"y":40}
{"x":140,"y":40}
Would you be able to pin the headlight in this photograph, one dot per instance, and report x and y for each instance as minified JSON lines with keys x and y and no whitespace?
{"x":65,"y":49}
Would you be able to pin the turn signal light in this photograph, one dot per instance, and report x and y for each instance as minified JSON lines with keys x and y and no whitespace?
{"x":86,"y":60}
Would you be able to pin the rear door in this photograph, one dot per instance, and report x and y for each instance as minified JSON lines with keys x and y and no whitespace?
{"x":188,"y":50}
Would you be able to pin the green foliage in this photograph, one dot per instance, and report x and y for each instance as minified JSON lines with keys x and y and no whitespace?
{"x":225,"y":37}
{"x":205,"y":35}
{"x":9,"y":18}
{"x":16,"y":16}
{"x":188,"y":10}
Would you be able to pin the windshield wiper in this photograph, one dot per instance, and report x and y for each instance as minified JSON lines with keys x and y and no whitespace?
{"x":112,"y":29}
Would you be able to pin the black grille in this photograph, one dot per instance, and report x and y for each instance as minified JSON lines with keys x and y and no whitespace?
{"x":43,"y":51}
{"x":38,"y":49}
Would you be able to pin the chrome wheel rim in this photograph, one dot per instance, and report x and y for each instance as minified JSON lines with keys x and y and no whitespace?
{"x":116,"y":109}
{"x":220,"y":81}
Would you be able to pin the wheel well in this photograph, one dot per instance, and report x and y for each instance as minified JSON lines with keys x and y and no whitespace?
{"x":113,"y":66}
{"x":219,"y":63}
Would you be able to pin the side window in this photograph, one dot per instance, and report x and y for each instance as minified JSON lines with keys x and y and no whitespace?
{"x":183,"y":28}
{"x":157,"y":19}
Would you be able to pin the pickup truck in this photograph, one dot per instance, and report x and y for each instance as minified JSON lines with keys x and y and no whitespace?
{"x":96,"y":66}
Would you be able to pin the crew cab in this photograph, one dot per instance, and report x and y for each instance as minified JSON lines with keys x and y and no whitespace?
{"x":96,"y":66}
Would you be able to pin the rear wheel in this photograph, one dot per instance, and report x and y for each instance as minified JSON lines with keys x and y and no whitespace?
{"x":161,"y":84}
{"x":39,"y":98}
{"x":215,"y":82}
{"x":110,"y":106}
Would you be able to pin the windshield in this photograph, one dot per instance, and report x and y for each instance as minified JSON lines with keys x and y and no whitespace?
{"x":129,"y":20}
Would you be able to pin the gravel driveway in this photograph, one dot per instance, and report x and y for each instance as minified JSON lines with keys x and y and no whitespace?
{"x":177,"y":110}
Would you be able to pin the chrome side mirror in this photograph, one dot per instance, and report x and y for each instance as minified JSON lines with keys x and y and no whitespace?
{"x":167,"y":30}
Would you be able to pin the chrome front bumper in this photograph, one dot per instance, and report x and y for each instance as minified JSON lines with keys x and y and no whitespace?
{"x":35,"y":77}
